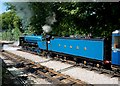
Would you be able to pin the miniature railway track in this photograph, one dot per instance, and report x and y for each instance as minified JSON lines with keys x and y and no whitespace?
{"x":11,"y":77}
{"x":42,"y":71}
{"x":111,"y":73}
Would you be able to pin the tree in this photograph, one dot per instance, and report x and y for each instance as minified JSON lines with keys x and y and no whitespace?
{"x":100,"y":19}
{"x":10,"y":23}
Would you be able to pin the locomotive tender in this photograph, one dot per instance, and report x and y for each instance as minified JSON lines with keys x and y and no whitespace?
{"x":87,"y":50}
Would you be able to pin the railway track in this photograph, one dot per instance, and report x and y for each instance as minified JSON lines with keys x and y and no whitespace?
{"x":111,"y":73}
{"x":42,"y":71}
{"x":9,"y":78}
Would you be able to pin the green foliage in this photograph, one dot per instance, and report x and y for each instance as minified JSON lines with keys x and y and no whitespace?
{"x":29,"y":31}
{"x":10,"y":26}
{"x":100,"y":19}
{"x":11,"y":34}
{"x":7,"y":19}
{"x":16,"y":33}
{"x":7,"y":35}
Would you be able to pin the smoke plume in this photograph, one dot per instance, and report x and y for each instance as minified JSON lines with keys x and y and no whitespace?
{"x":49,"y":21}
{"x":24,"y":12}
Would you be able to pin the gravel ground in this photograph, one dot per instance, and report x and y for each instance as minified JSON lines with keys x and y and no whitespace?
{"x":76,"y":72}
{"x":90,"y":76}
{"x":32,"y":57}
{"x":56,"y":65}
{"x":6,"y":47}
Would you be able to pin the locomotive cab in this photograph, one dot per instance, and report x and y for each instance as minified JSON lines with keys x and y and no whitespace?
{"x":116,"y":48}
{"x":21,"y":41}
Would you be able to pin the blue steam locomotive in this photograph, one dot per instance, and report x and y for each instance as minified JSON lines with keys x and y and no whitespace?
{"x":97,"y":51}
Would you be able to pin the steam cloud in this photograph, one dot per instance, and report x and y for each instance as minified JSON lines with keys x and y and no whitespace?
{"x":49,"y":21}
{"x":47,"y":28}
{"x":24,"y":12}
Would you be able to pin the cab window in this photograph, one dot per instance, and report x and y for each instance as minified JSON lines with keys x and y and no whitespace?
{"x":117,"y":42}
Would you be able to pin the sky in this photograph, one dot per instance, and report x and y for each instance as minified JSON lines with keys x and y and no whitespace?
{"x":2,"y":7}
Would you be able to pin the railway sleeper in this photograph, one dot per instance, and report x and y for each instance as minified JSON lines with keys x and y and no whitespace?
{"x":52,"y":74}
{"x":71,"y":83}
{"x":44,"y":71}
{"x":41,"y":76}
{"x":20,"y":65}
{"x":30,"y":69}
{"x":10,"y":65}
{"x":61,"y":78}
{"x":116,"y":75}
{"x":48,"y":77}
